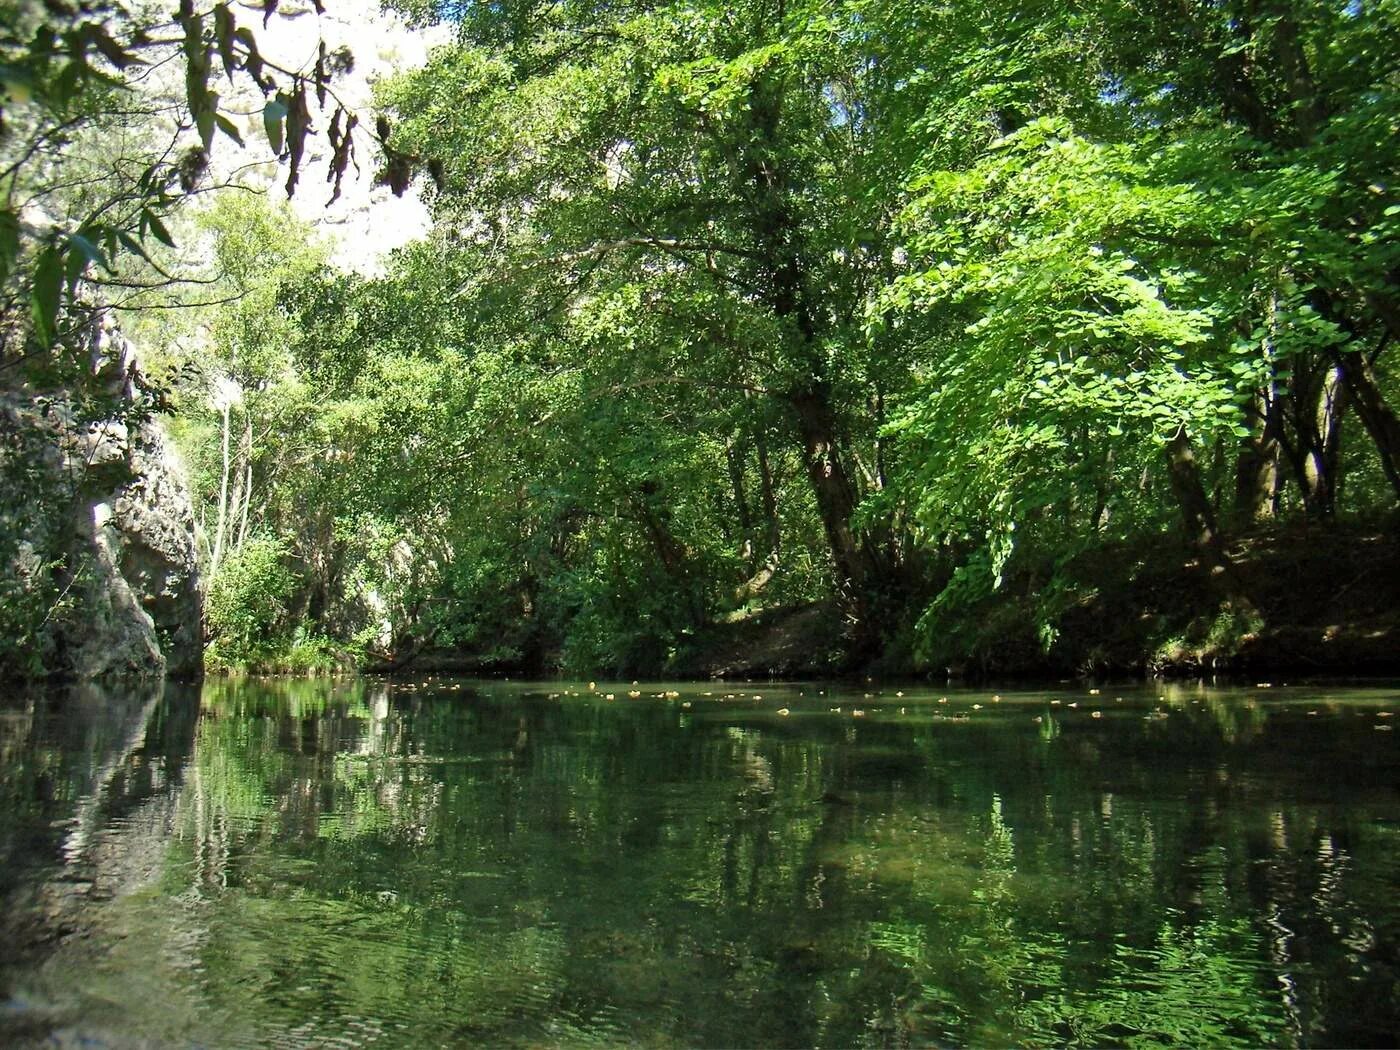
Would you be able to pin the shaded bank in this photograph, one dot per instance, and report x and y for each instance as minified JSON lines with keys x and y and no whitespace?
{"x":1323,"y":601}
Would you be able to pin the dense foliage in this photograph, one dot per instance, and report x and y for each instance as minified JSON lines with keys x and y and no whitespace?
{"x":985,"y":324}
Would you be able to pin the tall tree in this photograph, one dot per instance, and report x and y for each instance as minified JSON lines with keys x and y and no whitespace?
{"x":717,"y":170}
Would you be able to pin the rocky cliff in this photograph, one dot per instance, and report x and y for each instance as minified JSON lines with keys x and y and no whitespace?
{"x":97,"y":546}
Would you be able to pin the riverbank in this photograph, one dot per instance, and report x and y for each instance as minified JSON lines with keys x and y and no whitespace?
{"x":1300,"y":601}
{"x":1319,"y":601}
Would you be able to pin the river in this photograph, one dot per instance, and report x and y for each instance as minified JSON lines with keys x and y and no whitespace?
{"x":436,"y":862}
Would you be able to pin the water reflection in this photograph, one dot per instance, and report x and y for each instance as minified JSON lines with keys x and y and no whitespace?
{"x":438,"y":861}
{"x":87,"y":781}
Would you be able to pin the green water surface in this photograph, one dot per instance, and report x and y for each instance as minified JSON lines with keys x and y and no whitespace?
{"x":439,"y":862}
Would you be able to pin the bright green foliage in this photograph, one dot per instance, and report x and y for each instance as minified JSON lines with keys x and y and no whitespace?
{"x":1159,"y":240}
{"x":247,"y":603}
{"x":966,"y":320}
{"x":950,"y":317}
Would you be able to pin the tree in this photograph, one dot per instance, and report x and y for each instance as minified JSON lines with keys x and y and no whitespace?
{"x":1150,"y":249}
{"x":707,"y":182}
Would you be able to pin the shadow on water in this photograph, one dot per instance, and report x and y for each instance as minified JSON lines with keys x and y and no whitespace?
{"x":438,"y":861}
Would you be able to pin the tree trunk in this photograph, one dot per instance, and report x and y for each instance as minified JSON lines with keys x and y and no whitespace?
{"x":1185,"y":478}
{"x":1201,"y":526}
{"x":222,"y":521}
{"x":857,"y":571}
{"x":776,"y":230}
{"x":762,"y":573}
{"x":247,"y":481}
{"x":1374,"y":411}
{"x":1316,"y":406}
{"x":734,"y":458}
{"x":1257,"y":469}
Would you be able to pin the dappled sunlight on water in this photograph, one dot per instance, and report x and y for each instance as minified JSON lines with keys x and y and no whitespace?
{"x":431,"y":861}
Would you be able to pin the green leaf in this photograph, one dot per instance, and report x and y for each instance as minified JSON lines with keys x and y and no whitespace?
{"x":89,"y":251}
{"x":224,"y":34}
{"x":228,"y":127}
{"x":46,"y":293}
{"x":132,"y":245}
{"x":151,"y":221}
{"x":274,"y":113}
{"x":110,"y":49}
{"x":204,"y":121}
{"x":9,"y":242}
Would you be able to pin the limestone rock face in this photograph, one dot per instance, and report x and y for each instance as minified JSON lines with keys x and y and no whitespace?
{"x":153,"y":525}
{"x":105,"y":547}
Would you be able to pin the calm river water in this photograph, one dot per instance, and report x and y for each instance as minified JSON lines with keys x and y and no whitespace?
{"x":439,"y":862}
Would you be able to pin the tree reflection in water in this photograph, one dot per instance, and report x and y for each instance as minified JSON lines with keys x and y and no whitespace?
{"x":440,"y":861}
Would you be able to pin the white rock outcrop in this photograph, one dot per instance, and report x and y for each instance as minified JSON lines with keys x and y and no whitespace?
{"x":111,"y":525}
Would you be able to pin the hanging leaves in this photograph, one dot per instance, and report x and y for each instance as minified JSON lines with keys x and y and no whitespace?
{"x":298,"y":127}
{"x":9,"y":242}
{"x":46,"y":292}
{"x":86,"y":252}
{"x":52,"y":68}
{"x":202,"y":102}
{"x":150,"y":221}
{"x":97,"y":37}
{"x":252,"y":59}
{"x":229,"y":128}
{"x":398,"y":169}
{"x":397,"y":172}
{"x":321,"y":75}
{"x":274,"y":113}
{"x":194,"y":162}
{"x":342,"y":142}
{"x":225,"y":31}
